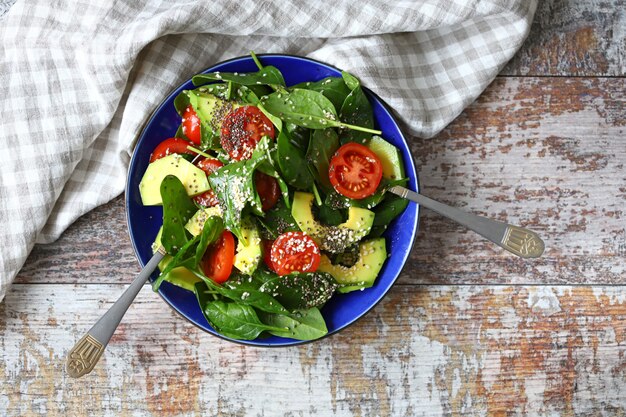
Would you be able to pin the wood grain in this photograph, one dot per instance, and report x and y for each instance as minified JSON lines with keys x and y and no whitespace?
{"x":574,"y":38}
{"x":424,"y":351}
{"x":546,"y":153}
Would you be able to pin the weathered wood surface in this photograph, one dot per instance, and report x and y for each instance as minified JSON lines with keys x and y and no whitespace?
{"x":547,"y":153}
{"x":574,"y":38}
{"x":542,"y":151}
{"x":424,"y":351}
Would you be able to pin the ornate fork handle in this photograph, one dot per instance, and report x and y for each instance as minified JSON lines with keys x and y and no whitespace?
{"x":87,"y":351}
{"x":517,"y":240}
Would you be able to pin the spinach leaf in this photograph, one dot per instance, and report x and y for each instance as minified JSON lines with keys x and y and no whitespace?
{"x":246,"y":95}
{"x":391,"y":207}
{"x":333,"y":88}
{"x":304,"y":108}
{"x":184,"y":257}
{"x":298,"y":136}
{"x":209,"y":139}
{"x":262,"y":274}
{"x":301,"y":324}
{"x":377,"y":231}
{"x":356,"y":109}
{"x":219,"y":90}
{"x":301,"y":290}
{"x":292,"y":163}
{"x":211,"y":231}
{"x":259,"y":90}
{"x":278,"y":220}
{"x":245,"y":289}
{"x":179,"y":133}
{"x":235,"y":320}
{"x":330,"y":216}
{"x":233,"y":185}
{"x":322,"y":146}
{"x":307,"y":108}
{"x":352,"y":83}
{"x":275,"y":120}
{"x":181,"y":102}
{"x":177,"y":210}
{"x":269,"y":75}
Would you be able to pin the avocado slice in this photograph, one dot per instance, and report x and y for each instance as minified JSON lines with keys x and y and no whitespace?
{"x":180,"y":276}
{"x":192,"y":177}
{"x":210,"y":109}
{"x":196,"y":223}
{"x":390,"y":158}
{"x":331,"y":238}
{"x":248,"y":253}
{"x":372,"y":256}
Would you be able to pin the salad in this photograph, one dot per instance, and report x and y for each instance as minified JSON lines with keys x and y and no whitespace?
{"x":273,"y":199}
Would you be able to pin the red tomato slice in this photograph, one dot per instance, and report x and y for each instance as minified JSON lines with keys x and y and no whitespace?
{"x":355,"y":171}
{"x":294,"y":251}
{"x":267,"y":250}
{"x":170,"y":146}
{"x":217,"y":262}
{"x":191,"y":125}
{"x":242,"y":129}
{"x":268,"y":190}
{"x":208,"y":165}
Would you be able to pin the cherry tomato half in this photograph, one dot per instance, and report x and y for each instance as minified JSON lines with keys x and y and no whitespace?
{"x":170,"y":146}
{"x":208,"y":165}
{"x":191,"y":125}
{"x":242,"y":129}
{"x":217,"y":262}
{"x":294,"y":251}
{"x":268,"y":189}
{"x":355,"y":171}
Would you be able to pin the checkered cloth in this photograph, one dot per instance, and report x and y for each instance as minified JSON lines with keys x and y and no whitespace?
{"x":78,"y":80}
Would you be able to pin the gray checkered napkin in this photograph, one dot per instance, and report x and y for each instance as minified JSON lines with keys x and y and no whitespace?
{"x":78,"y":79}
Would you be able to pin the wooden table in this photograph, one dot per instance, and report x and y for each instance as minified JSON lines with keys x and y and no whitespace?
{"x":467,"y":330}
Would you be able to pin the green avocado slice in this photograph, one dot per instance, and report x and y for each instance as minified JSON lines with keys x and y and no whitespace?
{"x":372,"y":256}
{"x":331,"y":238}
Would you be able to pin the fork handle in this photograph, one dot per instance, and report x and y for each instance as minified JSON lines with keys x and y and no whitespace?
{"x":517,"y":240}
{"x":87,"y":351}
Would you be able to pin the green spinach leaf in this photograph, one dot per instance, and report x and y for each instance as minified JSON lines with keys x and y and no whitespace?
{"x":211,"y":231}
{"x":301,"y":324}
{"x":179,"y":133}
{"x":268,"y":75}
{"x":177,"y":210}
{"x":219,"y":90}
{"x":333,"y":88}
{"x":233,"y":185}
{"x":292,"y":163}
{"x":278,"y":220}
{"x":322,"y":146}
{"x":356,"y":109}
{"x":184,"y":257}
{"x":301,"y":290}
{"x":330,"y":216}
{"x":245,"y":289}
{"x":391,"y":207}
{"x":235,"y":320}
{"x":307,"y":108}
{"x":298,"y":136}
{"x":181,"y":102}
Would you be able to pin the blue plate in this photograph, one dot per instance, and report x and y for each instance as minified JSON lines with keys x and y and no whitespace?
{"x":144,"y":221}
